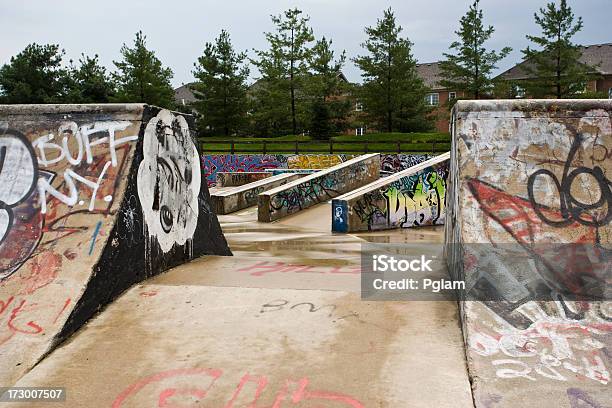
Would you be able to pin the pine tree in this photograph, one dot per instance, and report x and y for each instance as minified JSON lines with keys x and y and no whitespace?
{"x":141,"y":76}
{"x":556,"y":68}
{"x":35,"y":75}
{"x":469,"y":70}
{"x":285,"y":64}
{"x":89,"y":82}
{"x":221,"y":89}
{"x":326,"y":87}
{"x":392,"y":94}
{"x":321,"y":124}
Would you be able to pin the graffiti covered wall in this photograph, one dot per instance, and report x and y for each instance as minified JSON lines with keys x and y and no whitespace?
{"x":79,"y":222}
{"x":241,"y":178}
{"x":212,"y":164}
{"x":318,"y":187}
{"x":394,"y":163}
{"x":413,"y":197}
{"x":526,"y":175}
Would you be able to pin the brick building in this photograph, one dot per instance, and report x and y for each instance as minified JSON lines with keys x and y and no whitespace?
{"x":439,"y":96}
{"x":598,"y":56}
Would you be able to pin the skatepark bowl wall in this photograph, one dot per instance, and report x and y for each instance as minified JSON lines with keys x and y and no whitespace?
{"x":318,"y":187}
{"x":238,"y":198}
{"x":225,"y":179}
{"x":410,"y":198}
{"x":524,"y":175}
{"x":231,"y":163}
{"x":94,"y":198}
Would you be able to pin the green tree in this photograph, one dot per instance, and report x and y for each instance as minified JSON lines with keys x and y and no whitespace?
{"x":89,"y":82}
{"x":35,"y":75}
{"x":555,"y":67}
{"x":221,"y":89}
{"x":141,"y":76}
{"x":327,"y":87}
{"x":469,"y":70}
{"x":321,"y":125}
{"x":285,"y":64}
{"x":392,"y":93}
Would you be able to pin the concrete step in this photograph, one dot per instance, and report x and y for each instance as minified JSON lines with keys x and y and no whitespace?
{"x":318,"y":187}
{"x":229,"y":200}
{"x":412,"y":197}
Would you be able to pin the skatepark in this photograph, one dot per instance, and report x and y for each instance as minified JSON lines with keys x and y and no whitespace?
{"x":137,"y":272}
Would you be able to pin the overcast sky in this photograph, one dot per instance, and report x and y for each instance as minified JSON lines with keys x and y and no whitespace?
{"x":178,"y":29}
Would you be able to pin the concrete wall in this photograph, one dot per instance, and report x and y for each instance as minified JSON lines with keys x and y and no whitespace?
{"x":89,"y":205}
{"x":212,"y":164}
{"x":240,"y":178}
{"x":238,"y":198}
{"x":318,"y":187}
{"x":412,"y":197}
{"x":525,"y":174}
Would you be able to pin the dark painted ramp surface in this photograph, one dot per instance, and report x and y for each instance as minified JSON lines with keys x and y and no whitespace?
{"x":94,"y":198}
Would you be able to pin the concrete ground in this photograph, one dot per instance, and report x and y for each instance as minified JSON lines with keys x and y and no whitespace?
{"x":279,"y":324}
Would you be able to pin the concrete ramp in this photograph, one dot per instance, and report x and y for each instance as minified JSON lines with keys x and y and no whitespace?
{"x":94,"y":198}
{"x":240,"y":178}
{"x":229,"y":200}
{"x":318,"y":187}
{"x":528,"y":227}
{"x":410,"y":198}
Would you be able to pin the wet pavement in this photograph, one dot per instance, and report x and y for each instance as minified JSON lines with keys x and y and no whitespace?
{"x":279,"y":324}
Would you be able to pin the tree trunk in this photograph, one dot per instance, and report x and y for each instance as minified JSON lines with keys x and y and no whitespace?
{"x":291,"y":74}
{"x":559,"y":61}
{"x":389,"y":109}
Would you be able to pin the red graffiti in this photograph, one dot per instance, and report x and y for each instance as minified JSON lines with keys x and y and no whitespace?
{"x":290,"y":393}
{"x":264,"y":267}
{"x":43,"y":270}
{"x":567,"y":266}
{"x":24,"y":317}
{"x":517,"y":216}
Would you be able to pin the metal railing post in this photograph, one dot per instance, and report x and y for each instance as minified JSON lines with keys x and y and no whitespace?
{"x":399,"y":148}
{"x":296,"y":147}
{"x":331,"y":146}
{"x":233,"y":148}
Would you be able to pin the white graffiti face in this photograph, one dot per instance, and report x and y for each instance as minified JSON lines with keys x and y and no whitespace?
{"x":169,"y":180}
{"x":18,"y":174}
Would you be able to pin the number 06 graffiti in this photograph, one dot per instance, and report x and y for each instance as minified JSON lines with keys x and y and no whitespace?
{"x":595,"y":214}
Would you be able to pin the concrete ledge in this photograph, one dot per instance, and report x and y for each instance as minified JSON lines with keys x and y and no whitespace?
{"x":229,"y":200}
{"x":240,"y":178}
{"x":318,"y":187}
{"x":410,"y":198}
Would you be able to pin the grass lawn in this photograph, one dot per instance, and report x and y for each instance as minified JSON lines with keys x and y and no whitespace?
{"x":374,"y":142}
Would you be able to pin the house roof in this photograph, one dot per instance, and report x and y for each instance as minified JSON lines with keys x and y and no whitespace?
{"x":184,"y":93}
{"x":430,"y":73}
{"x":598,"y":55}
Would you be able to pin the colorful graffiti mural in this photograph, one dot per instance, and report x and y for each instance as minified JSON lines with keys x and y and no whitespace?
{"x":212,"y":164}
{"x":394,"y":163}
{"x":413,"y":197}
{"x":318,"y":187}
